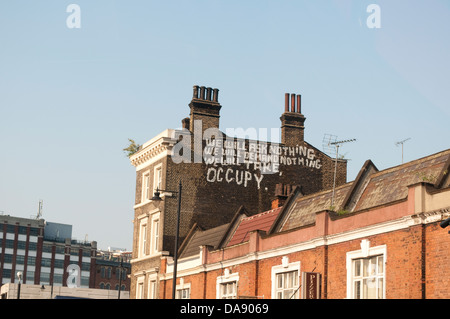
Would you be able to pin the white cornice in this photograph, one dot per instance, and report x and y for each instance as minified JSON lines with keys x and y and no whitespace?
{"x":160,"y":144}
{"x":190,"y":267}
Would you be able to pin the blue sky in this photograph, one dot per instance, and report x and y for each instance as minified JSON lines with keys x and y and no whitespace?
{"x":70,"y":98}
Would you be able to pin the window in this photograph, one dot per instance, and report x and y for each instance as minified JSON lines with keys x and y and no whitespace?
{"x":45,"y":278}
{"x":140,"y":288}
{"x":20,"y":259}
{"x":122,"y":272}
{"x":143,"y":238}
{"x":21,"y":245}
{"x":366,"y":272}
{"x":32,"y":246}
{"x":31,"y":261}
{"x":34,"y":232}
{"x":286,"y":285}
{"x":153,"y":289}
{"x":146,"y":195}
{"x":183,"y":290}
{"x":155,"y":233}
{"x":368,"y":278}
{"x":227,"y":285}
{"x":285,"y":280}
{"x":57,"y":279}
{"x":157,"y":178}
{"x":46,"y":262}
{"x":8,"y":258}
{"x":47,"y":248}
{"x":30,"y":277}
{"x":228,"y":290}
{"x":183,"y":293}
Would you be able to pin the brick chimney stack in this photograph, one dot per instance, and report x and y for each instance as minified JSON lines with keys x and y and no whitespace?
{"x":205,"y":106}
{"x":282,"y":192}
{"x":292,"y":120}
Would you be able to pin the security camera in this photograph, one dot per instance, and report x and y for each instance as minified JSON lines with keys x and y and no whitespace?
{"x":445,"y":223}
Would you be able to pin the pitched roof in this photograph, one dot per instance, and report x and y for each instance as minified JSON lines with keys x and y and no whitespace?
{"x":262,"y":221}
{"x":391,"y":185}
{"x":303,"y":209}
{"x":372,"y":188}
{"x":199,"y":237}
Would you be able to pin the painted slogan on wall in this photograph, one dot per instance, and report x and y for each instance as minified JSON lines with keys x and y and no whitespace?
{"x":240,"y":161}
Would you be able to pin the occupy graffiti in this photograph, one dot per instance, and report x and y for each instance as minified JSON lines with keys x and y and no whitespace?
{"x":239,"y":161}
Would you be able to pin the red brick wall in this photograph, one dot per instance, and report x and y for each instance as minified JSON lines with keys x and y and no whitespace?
{"x":437,"y":262}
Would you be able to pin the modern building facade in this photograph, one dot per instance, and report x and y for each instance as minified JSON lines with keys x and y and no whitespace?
{"x":386,"y":238}
{"x":42,"y":252}
{"x":218,"y":173}
{"x":45,"y":254}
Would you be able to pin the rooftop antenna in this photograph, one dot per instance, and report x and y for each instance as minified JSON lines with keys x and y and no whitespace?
{"x":326,"y":143}
{"x":337,"y":144}
{"x":39,"y":214}
{"x":401,"y":143}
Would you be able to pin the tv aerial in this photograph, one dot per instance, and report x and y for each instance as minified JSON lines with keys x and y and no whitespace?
{"x":330,"y":143}
{"x":39,"y":214}
{"x":401,"y":143}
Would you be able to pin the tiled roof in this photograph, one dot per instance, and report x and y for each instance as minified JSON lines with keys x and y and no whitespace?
{"x":262,"y":221}
{"x":391,"y":185}
{"x":303,"y":210}
{"x":378,"y":188}
{"x":210,"y":237}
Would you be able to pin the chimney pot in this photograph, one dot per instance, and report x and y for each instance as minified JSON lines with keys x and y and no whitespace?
{"x":208,"y":93}
{"x":292,"y":102}
{"x":186,"y":123}
{"x":202,"y":92}
{"x":216,"y":95}
{"x":195,"y":94}
{"x":299,"y":103}
{"x":286,"y":102}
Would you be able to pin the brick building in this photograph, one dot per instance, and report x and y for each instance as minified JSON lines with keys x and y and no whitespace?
{"x":385,"y":239}
{"x":112,"y":269}
{"x":43,"y":251}
{"x":219,"y":173}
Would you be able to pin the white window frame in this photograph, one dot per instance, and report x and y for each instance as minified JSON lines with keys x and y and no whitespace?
{"x":146,"y":187}
{"x":155,"y":231}
{"x":285,"y":267}
{"x":143,"y":237}
{"x":153,"y":287}
{"x":140,"y":287}
{"x":157,"y":177}
{"x":226,"y":279}
{"x":365,"y":253}
{"x":183,"y":287}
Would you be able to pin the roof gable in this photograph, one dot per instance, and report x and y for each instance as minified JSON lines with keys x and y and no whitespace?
{"x":262,"y":221}
{"x":370,"y":189}
{"x":199,"y":237}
